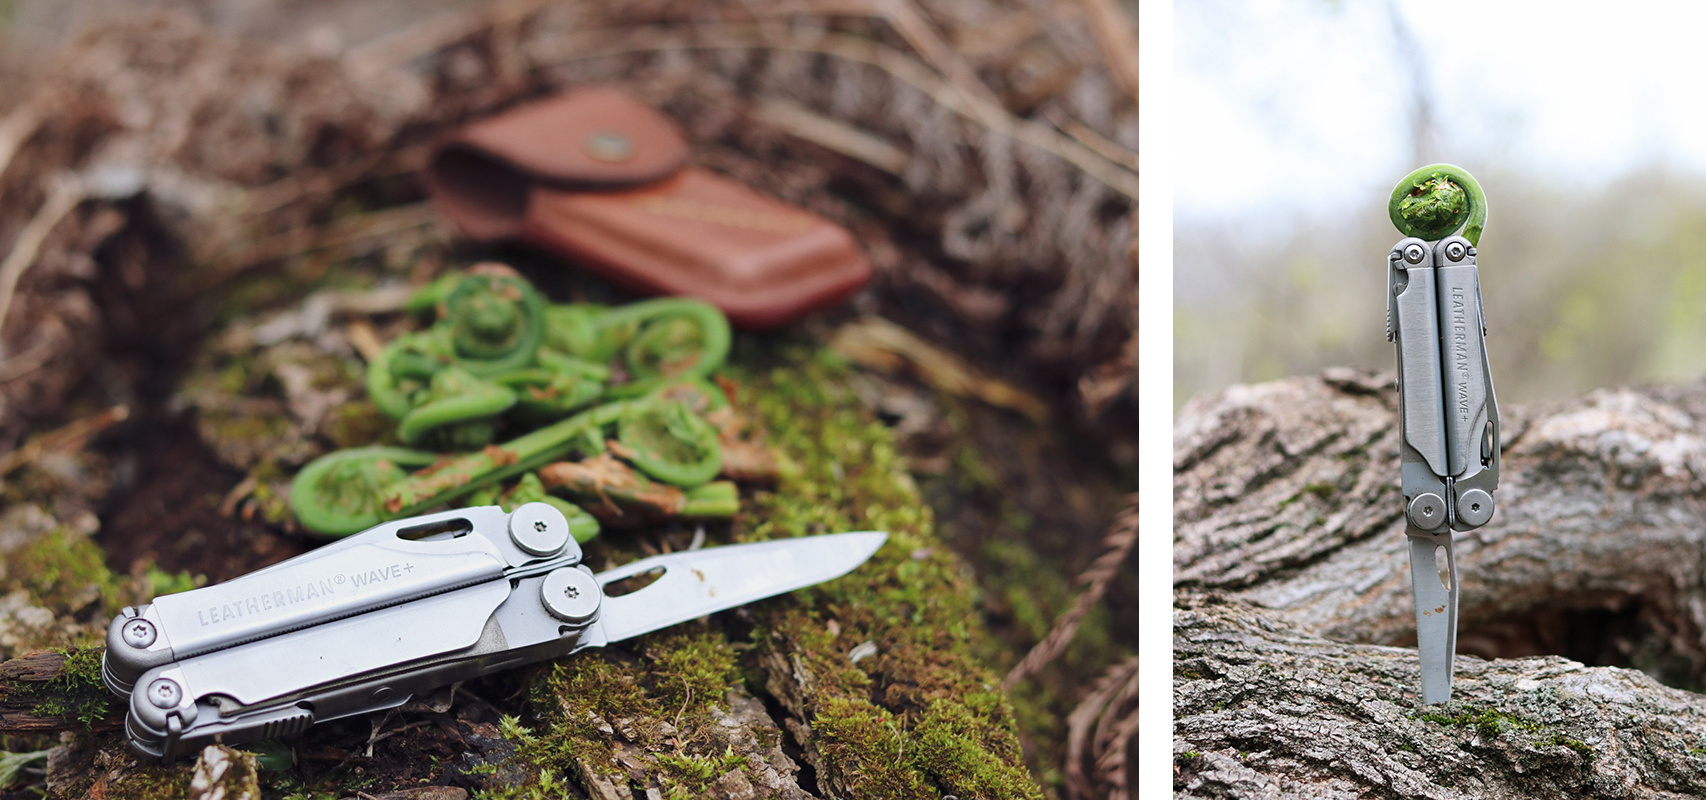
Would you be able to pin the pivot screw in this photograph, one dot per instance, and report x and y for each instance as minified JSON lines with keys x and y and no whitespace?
{"x":570,"y":595}
{"x":1474,"y":507}
{"x":1454,"y":251}
{"x":165,"y":693}
{"x":539,"y":529}
{"x":139,"y":633}
{"x":1414,"y":253}
{"x":1427,"y":511}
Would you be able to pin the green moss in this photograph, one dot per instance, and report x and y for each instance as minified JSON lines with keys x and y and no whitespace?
{"x":972,"y":470}
{"x":939,"y":727}
{"x":954,"y":751}
{"x":64,"y":572}
{"x":692,"y":666}
{"x":693,"y":775}
{"x":913,"y":599}
{"x":1490,"y":722}
{"x":1020,"y":585}
{"x":161,"y":582}
{"x":76,"y":692}
{"x":864,"y":748}
{"x":228,"y":430}
{"x":359,"y":423}
{"x":546,"y":787}
{"x":150,"y":782}
{"x":661,"y":701}
{"x":272,"y":492}
{"x":1581,"y":747}
{"x":1032,"y":595}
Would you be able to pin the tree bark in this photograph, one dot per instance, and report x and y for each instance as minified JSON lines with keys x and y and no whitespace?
{"x":1295,"y":673}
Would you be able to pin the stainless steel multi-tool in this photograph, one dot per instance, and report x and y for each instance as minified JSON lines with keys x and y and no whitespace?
{"x":1449,"y":429}
{"x":363,"y":624}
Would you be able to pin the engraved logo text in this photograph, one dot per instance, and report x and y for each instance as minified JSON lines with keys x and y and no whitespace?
{"x":1460,"y":349}
{"x":265,"y":602}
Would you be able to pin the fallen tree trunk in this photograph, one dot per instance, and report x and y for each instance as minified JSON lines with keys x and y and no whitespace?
{"x":1292,"y":586}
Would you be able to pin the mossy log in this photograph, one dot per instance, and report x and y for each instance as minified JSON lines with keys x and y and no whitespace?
{"x":1295,"y":673}
{"x":40,"y":693}
{"x":863,"y":687}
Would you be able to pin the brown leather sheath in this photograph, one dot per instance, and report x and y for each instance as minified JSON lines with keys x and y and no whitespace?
{"x":597,"y":177}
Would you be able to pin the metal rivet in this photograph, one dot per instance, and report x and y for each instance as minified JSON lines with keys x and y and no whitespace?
{"x":139,"y":633}
{"x":1454,"y":251}
{"x":571,"y":595}
{"x":539,"y":528}
{"x":609,"y":146}
{"x":165,"y":693}
{"x":1414,"y":253}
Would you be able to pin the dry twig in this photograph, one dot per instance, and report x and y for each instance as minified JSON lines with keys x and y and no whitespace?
{"x":1120,"y":539}
{"x":19,"y":126}
{"x":70,"y":436}
{"x":879,"y":344}
{"x":1117,"y":38}
{"x":845,"y":139}
{"x":1099,"y":734}
{"x":587,"y":44}
{"x":67,"y":192}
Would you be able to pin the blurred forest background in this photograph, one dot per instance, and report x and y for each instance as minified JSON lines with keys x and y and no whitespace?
{"x":1294,"y":121}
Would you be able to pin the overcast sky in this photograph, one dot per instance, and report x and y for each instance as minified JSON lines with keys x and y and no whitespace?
{"x":1305,"y":106}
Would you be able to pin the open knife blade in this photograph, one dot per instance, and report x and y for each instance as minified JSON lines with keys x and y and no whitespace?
{"x":700,"y":582}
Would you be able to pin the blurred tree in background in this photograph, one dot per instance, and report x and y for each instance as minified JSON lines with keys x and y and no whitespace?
{"x":1295,"y":120}
{"x":1583,"y":289}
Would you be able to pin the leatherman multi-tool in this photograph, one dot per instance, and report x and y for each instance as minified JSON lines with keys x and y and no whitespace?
{"x":1449,"y":428}
{"x":363,"y":624}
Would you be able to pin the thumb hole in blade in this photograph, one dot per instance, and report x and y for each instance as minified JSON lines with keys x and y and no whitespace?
{"x":633,"y":583}
{"x":1442,"y":563}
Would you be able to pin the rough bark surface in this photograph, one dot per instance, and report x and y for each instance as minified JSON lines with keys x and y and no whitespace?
{"x":1292,"y":586}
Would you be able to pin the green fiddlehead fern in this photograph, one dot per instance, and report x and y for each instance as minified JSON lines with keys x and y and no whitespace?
{"x":498,"y":354}
{"x":698,"y":394}
{"x":572,"y":328}
{"x":666,"y":338}
{"x":459,"y":412}
{"x":669,"y":442}
{"x":403,"y":369}
{"x":455,"y":477}
{"x":496,"y":322}
{"x":342,"y":493}
{"x":555,"y":387}
{"x":1437,"y":201}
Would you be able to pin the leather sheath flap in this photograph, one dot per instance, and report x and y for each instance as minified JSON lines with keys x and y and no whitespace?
{"x":699,"y":234}
{"x":589,"y":139}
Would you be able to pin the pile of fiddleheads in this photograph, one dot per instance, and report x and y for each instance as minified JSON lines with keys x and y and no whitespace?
{"x":622,"y":392}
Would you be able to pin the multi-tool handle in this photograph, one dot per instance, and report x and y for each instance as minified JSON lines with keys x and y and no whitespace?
{"x":411,"y":605}
{"x":1448,"y":416}
{"x":356,"y":626}
{"x":1449,"y":429}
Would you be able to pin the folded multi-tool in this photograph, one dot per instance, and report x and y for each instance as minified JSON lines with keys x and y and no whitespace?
{"x":1449,"y":429}
{"x":364,"y":624}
